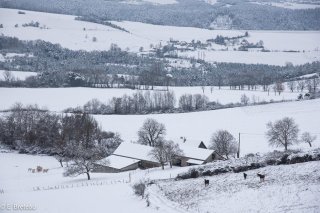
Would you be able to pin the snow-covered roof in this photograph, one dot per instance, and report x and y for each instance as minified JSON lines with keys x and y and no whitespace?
{"x":135,"y":151}
{"x":195,"y":152}
{"x":191,"y":142}
{"x":117,"y":162}
{"x":196,"y":162}
{"x":142,"y":152}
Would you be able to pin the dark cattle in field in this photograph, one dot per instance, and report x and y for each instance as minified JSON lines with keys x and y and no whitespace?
{"x":245,"y":175}
{"x":206,"y":182}
{"x":261,"y":177}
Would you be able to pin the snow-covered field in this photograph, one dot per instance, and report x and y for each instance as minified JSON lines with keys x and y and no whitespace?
{"x":142,"y":35}
{"x":287,"y":188}
{"x":114,"y":195}
{"x":58,"y":99}
{"x":19,"y":75}
{"x":155,"y":2}
{"x":290,"y":5}
{"x":199,"y":126}
{"x":274,"y":58}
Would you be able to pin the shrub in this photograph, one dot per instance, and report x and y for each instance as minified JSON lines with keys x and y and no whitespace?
{"x":139,"y":189}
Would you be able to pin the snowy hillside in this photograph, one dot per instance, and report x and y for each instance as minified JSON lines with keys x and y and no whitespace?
{"x":19,"y":75}
{"x":89,"y":36}
{"x":293,"y":188}
{"x":199,"y":126}
{"x":287,"y":188}
{"x":154,"y":2}
{"x":293,"y":5}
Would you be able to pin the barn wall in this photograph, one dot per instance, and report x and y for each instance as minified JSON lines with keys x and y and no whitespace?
{"x":131,"y":167}
{"x":105,"y":169}
{"x":147,"y":164}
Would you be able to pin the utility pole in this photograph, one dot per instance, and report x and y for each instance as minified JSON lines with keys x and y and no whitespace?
{"x":238,"y":153}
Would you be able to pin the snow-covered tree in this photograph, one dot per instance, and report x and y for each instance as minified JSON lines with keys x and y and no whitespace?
{"x":84,"y":145}
{"x":291,"y":85}
{"x":283,"y":132}
{"x":308,"y":138}
{"x":151,"y":133}
{"x":159,"y":153}
{"x":244,"y":99}
{"x":8,"y":77}
{"x":223,"y":143}
{"x":172,"y":151}
{"x":301,"y":84}
{"x":82,"y":159}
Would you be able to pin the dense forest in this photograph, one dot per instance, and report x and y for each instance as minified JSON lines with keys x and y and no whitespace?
{"x":238,"y":14}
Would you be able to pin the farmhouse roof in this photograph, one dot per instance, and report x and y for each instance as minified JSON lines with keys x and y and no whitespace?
{"x":117,"y":162}
{"x":195,"y":152}
{"x":134,"y":151}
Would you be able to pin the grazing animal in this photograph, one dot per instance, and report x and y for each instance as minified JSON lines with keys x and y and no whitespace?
{"x":33,"y":170}
{"x":245,"y":175}
{"x":45,"y":170}
{"x":39,"y":169}
{"x":206,"y":182}
{"x":261,"y":177}
{"x":30,"y":170}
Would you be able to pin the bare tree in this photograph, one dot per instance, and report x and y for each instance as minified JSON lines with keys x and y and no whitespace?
{"x":203,"y":89}
{"x":8,"y":77}
{"x":172,"y":151}
{"x":83,"y":148}
{"x":211,"y":89}
{"x":301,"y":84}
{"x":283,"y":132}
{"x":186,"y":102}
{"x":278,"y":87}
{"x":151,"y":133}
{"x":315,"y":83}
{"x":309,"y":85}
{"x":244,"y":99}
{"x":82,"y":160}
{"x":291,"y":85}
{"x":308,"y":138}
{"x":223,"y":143}
{"x":159,"y":153}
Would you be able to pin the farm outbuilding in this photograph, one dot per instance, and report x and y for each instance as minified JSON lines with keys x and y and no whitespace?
{"x":130,"y":156}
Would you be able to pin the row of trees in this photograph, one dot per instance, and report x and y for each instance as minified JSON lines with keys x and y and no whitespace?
{"x":300,"y":85}
{"x":282,"y":132}
{"x":188,"y":102}
{"x":143,"y":103}
{"x":285,"y":132}
{"x":137,"y":103}
{"x":76,"y":138}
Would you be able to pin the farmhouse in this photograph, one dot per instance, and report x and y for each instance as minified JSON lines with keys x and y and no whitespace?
{"x":195,"y":156}
{"x":130,"y":156}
